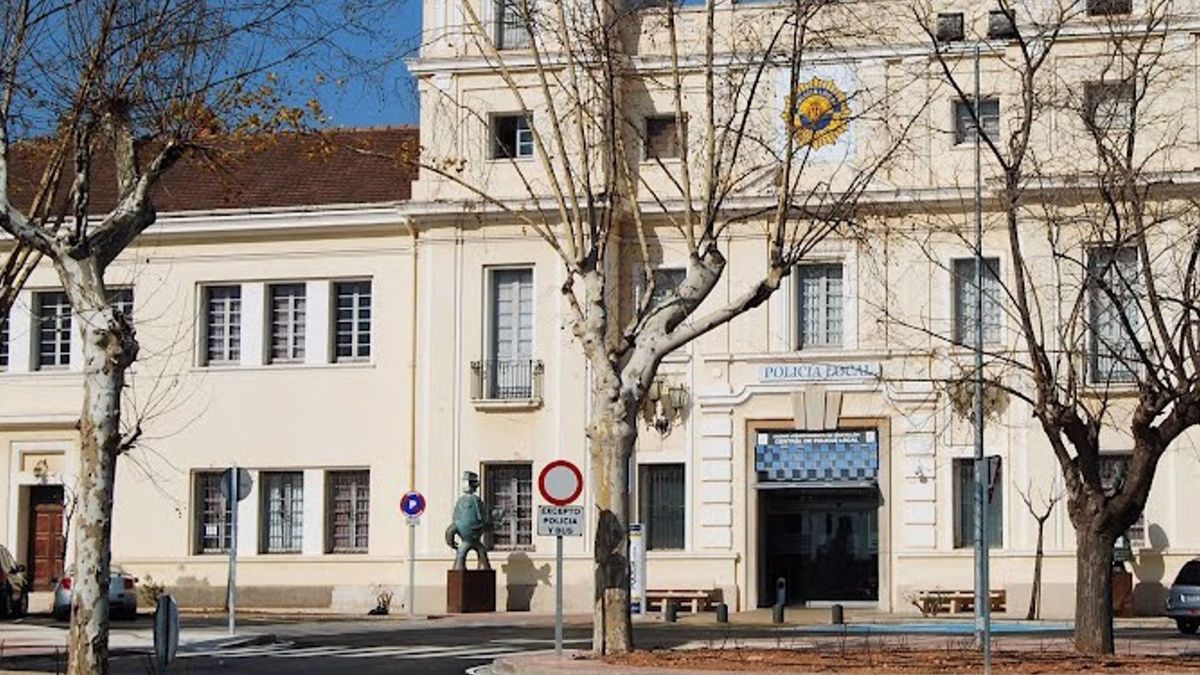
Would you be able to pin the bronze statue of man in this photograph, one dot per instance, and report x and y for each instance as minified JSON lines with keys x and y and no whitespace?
{"x":472,"y":521}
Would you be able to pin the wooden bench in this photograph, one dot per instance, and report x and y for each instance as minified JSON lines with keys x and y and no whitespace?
{"x":955,"y":602}
{"x":696,"y":599}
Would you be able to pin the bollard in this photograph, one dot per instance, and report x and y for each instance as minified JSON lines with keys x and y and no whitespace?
{"x":781,"y":591}
{"x":669,"y":611}
{"x":722,"y":613}
{"x":837,"y":615}
{"x":777,"y":613}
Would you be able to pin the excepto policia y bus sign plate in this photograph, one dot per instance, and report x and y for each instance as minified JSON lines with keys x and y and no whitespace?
{"x":560,"y":521}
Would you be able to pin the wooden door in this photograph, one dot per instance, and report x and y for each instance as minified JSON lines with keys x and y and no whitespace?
{"x":45,"y":536}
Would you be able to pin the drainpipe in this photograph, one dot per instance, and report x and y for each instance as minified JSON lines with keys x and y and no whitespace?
{"x":412,"y":361}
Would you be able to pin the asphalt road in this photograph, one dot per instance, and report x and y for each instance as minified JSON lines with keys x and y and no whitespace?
{"x":430,"y":649}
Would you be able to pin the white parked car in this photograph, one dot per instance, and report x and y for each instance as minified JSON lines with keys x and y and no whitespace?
{"x":122,"y":595}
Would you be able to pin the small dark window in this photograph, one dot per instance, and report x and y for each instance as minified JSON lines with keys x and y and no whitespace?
{"x":511,"y":137}
{"x":1108,"y":106}
{"x":1109,"y":7}
{"x":1002,"y":25}
{"x":964,"y":120}
{"x":950,"y":27}
{"x":662,"y":138}
{"x":1189,"y":575}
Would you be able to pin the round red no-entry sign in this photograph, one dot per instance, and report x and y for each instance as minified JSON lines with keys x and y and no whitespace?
{"x":560,"y":482}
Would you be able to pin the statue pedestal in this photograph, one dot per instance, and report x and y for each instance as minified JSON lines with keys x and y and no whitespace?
{"x":470,"y":591}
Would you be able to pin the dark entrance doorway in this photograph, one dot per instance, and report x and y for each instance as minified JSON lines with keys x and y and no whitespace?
{"x":824,"y":542}
{"x":45,"y":535}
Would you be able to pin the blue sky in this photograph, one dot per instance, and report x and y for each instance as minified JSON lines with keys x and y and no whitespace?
{"x":386,"y":96}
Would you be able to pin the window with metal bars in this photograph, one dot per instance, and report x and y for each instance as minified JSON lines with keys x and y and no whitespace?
{"x":281,"y":529}
{"x":820,"y":305}
{"x":54,"y":329}
{"x":288,"y":308}
{"x":1113,"y":470}
{"x":964,"y":301}
{"x":509,"y":488}
{"x":223,"y":324}
{"x":1114,"y":286}
{"x":348,"y":508}
{"x":352,"y":323}
{"x":212,"y":525}
{"x":964,"y":120}
{"x":512,"y":25}
{"x":661,"y":505}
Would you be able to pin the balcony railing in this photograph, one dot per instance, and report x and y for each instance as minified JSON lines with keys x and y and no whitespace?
{"x":506,"y":380}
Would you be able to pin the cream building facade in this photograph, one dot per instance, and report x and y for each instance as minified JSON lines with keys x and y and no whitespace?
{"x":348,"y":348}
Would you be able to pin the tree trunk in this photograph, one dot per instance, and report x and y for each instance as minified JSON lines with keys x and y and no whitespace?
{"x":108,"y":349}
{"x":1035,"y":596}
{"x":612,"y":438}
{"x":1093,"y":592}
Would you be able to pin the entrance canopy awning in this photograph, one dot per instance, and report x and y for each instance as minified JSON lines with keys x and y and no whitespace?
{"x":817,"y":459}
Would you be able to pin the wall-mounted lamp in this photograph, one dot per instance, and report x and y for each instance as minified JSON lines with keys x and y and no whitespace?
{"x":664,"y":404}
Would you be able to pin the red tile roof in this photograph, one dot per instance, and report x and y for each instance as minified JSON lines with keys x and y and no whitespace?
{"x":344,"y":166}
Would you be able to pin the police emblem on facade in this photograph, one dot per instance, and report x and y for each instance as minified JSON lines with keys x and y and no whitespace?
{"x":817,"y":113}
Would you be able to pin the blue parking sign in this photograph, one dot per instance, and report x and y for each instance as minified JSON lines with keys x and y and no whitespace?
{"x":412,"y":504}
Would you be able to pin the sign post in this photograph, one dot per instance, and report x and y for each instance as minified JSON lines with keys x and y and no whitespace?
{"x":560,"y":483}
{"x":235,"y":486}
{"x":412,"y":505}
{"x":637,"y":569}
{"x":166,"y":633}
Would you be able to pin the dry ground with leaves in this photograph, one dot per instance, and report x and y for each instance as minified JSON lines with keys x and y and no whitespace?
{"x":886,"y":658}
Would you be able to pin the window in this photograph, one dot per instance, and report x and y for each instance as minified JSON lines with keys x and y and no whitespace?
{"x":964,"y":505}
{"x":212,"y":515}
{"x":54,"y":329}
{"x":949,"y":27}
{"x":1108,"y":106}
{"x":1109,"y":7}
{"x":510,"y":368}
{"x":4,"y":337}
{"x":820,"y":305}
{"x":281,"y":527}
{"x":511,"y":137}
{"x":666,"y":279}
{"x":1189,"y":575}
{"x":122,"y":301}
{"x":1113,"y":469}
{"x":1002,"y":25}
{"x":662,"y":138}
{"x":512,"y":25}
{"x":223,"y":324}
{"x":964,"y":122}
{"x":661,"y":505}
{"x":348,"y":508}
{"x":287,"y":323}
{"x":964,"y":301}
{"x":508,"y":490}
{"x":352,"y":332}
{"x":1113,"y":285}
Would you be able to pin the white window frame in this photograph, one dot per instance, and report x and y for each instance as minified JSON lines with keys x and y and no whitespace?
{"x":963,"y":136}
{"x":198,"y":518}
{"x":291,"y":524}
{"x":356,"y":546}
{"x":517,"y":143}
{"x":489,"y":322}
{"x":64,"y":323}
{"x":486,"y":483}
{"x":957,"y":319}
{"x":356,"y":332}
{"x":292,"y":327}
{"x":232,"y":350}
{"x":798,"y":331}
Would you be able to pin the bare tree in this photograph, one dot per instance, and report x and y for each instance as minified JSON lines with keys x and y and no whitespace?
{"x":103,"y":93}
{"x":604,"y":195}
{"x":1087,"y":181}
{"x":1047,"y":503}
